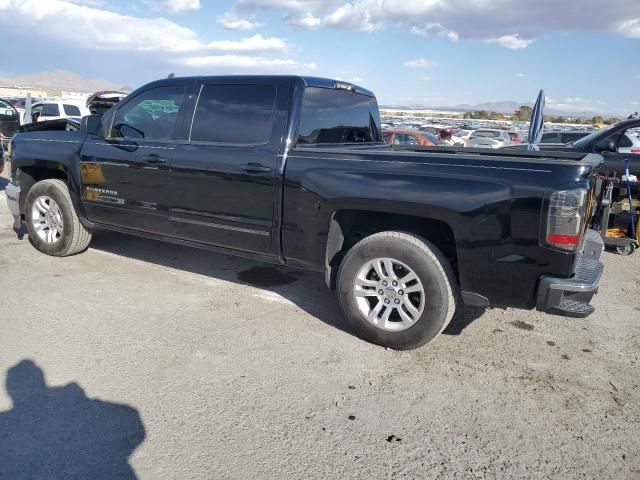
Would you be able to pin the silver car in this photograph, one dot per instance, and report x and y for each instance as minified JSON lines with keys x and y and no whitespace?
{"x":489,"y":138}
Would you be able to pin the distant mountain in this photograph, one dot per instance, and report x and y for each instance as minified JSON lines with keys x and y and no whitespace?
{"x":59,"y":80}
{"x":506,"y":107}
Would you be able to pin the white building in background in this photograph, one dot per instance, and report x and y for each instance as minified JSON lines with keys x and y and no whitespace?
{"x":21,"y":91}
{"x":78,"y":96}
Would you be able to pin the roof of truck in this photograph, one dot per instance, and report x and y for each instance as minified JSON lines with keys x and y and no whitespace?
{"x":307,"y":81}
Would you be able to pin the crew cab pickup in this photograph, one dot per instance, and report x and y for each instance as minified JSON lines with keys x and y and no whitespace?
{"x":293,"y":170}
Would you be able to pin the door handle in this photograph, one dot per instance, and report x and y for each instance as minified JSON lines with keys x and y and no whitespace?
{"x":255,"y":168}
{"x":154,"y":158}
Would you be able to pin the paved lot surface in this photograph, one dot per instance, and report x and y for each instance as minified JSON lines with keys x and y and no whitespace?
{"x":176,"y":363}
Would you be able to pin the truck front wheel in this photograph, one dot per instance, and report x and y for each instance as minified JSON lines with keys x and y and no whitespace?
{"x":53,"y":224}
{"x":397,"y":289}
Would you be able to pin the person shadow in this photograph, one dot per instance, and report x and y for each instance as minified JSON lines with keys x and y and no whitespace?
{"x":60,"y":433}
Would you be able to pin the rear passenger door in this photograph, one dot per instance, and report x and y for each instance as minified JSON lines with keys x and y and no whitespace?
{"x":224,"y":177}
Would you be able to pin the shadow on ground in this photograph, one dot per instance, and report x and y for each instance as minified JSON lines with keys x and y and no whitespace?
{"x":58,"y":432}
{"x":307,"y":290}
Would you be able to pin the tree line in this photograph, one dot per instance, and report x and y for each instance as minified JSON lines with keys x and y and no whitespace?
{"x":523,"y":114}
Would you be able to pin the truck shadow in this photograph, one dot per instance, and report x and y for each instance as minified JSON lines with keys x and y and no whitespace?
{"x":305,"y":289}
{"x":59,"y":432}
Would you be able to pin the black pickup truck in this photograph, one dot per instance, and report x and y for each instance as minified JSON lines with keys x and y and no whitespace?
{"x":292,"y":170}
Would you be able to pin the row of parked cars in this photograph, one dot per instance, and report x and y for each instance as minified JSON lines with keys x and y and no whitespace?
{"x":13,"y":111}
{"x":432,"y":136}
{"x":626,"y":141}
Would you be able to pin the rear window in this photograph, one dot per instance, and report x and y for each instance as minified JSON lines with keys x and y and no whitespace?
{"x":71,"y":110}
{"x":234,"y":114}
{"x":485,"y":134}
{"x":338,"y":116}
{"x":50,"y":110}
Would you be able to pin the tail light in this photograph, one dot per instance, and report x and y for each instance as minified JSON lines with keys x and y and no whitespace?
{"x":635,"y":150}
{"x":566,"y":213}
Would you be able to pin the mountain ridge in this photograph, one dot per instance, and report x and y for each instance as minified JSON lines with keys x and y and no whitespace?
{"x":59,"y":80}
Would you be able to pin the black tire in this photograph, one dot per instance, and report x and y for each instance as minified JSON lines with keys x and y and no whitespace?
{"x":431,"y":267}
{"x":626,"y":250}
{"x":74,"y":238}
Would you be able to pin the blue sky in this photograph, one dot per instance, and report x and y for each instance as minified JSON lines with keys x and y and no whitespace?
{"x":411,"y":52}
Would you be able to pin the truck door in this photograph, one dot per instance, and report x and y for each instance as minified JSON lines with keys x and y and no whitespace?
{"x":125,"y":172}
{"x":224,"y":178}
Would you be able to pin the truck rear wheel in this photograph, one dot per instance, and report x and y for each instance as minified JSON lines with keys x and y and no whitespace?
{"x":53,"y":225}
{"x":397,"y":289}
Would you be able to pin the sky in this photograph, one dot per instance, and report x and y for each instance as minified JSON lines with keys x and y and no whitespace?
{"x":583,"y":53}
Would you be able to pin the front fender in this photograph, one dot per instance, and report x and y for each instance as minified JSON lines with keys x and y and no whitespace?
{"x":43,"y":154}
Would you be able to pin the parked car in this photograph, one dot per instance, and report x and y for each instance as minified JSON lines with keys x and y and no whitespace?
{"x":9,"y":123}
{"x":489,"y":138}
{"x":56,"y":109}
{"x":464,"y":135}
{"x":436,"y":129}
{"x":615,"y":143}
{"x":565,"y":136}
{"x":100,"y":102}
{"x":515,"y":137}
{"x":406,"y":137}
{"x":293,"y":170}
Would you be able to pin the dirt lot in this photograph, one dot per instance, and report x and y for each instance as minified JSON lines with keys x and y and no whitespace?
{"x":176,"y":363}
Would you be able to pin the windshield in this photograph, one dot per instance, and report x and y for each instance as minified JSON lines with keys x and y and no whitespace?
{"x":585,"y":140}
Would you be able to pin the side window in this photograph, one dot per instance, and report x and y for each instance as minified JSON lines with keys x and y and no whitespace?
{"x":550,"y":138}
{"x":404,"y":140}
{"x":36,"y":110}
{"x":71,"y":110}
{"x":625,"y":142}
{"x":151,"y":115}
{"x":50,"y":110}
{"x":234,"y":114}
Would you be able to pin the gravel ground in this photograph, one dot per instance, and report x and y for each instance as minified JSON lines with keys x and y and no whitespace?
{"x":166,"y":362}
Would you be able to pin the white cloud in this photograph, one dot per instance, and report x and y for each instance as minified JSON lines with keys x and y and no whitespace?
{"x":181,"y":6}
{"x":106,"y":30}
{"x":520,"y":75}
{"x":512,"y":24}
{"x":513,"y":41}
{"x":241,"y":63}
{"x":630,"y":28}
{"x":434,"y":29}
{"x":426,"y":79}
{"x":419,"y":63}
{"x":232,"y":22}
{"x":305,"y":21}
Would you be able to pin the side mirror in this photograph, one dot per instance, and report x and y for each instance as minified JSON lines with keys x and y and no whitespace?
{"x":606,"y":145}
{"x":91,"y":124}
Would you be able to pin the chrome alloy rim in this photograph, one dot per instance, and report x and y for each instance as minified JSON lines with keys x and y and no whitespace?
{"x":389,"y":294}
{"x":46,"y":219}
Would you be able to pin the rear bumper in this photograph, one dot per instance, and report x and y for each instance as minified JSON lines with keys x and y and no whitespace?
{"x":571,"y":297}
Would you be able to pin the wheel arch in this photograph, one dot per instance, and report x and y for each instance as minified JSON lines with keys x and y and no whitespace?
{"x":28,"y":174}
{"x":348,"y":227}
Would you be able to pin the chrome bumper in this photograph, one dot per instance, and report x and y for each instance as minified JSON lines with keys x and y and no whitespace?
{"x":13,"y":199}
{"x":571,"y":297}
